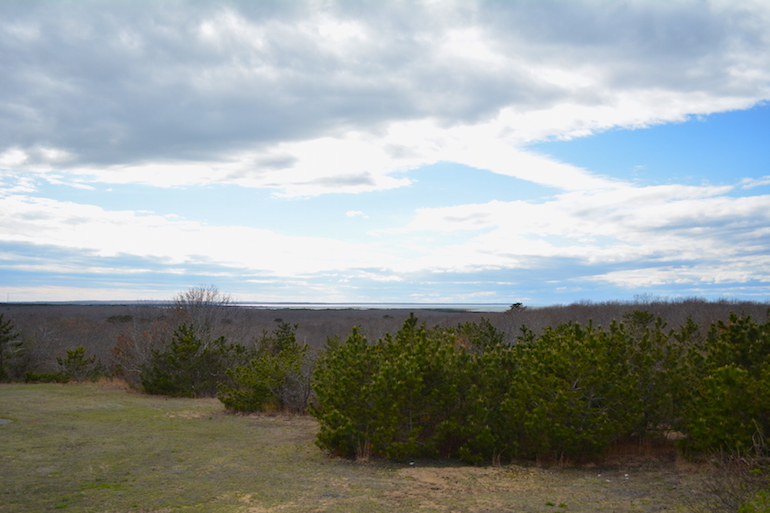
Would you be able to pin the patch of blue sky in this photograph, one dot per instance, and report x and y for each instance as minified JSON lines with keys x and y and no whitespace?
{"x":719,"y":149}
{"x":342,"y":216}
{"x":567,"y":241}
{"x":214,"y":205}
{"x":447,"y":184}
{"x":443,"y":184}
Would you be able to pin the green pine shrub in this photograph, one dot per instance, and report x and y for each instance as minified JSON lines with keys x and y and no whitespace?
{"x":190,"y":366}
{"x":278,"y":377}
{"x":79,"y":367}
{"x":577,"y":392}
{"x":340,"y":383}
{"x":414,"y":394}
{"x":730,"y":407}
{"x":462,"y":392}
{"x":8,"y":344}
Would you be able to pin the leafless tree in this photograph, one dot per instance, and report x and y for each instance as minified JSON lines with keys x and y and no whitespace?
{"x":206,"y":308}
{"x":134,"y":346}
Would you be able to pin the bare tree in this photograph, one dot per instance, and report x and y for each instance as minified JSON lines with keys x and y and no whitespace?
{"x":206,"y":308}
{"x":135,"y":345}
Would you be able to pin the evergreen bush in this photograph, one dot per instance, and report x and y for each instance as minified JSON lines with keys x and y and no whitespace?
{"x":190,"y":366}
{"x":277,"y":378}
{"x":730,"y":409}
{"x":566,"y":394}
{"x":79,"y":367}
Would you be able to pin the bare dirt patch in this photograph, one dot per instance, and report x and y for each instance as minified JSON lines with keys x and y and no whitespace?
{"x":518,"y":488}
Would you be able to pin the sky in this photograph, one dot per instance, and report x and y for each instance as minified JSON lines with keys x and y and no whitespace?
{"x":363,"y":151}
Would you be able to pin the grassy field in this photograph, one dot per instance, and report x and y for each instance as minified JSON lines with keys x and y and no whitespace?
{"x":100,"y":448}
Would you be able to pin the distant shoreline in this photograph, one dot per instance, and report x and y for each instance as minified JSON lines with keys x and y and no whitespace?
{"x":441,"y":307}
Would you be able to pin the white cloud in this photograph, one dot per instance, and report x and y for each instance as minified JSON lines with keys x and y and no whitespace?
{"x":12,"y":157}
{"x":104,"y":233}
{"x":750,"y":183}
{"x":309,"y":98}
{"x":312,"y":98}
{"x":738,"y":271}
{"x":83,"y":293}
{"x":12,"y":183}
{"x":625,"y":224}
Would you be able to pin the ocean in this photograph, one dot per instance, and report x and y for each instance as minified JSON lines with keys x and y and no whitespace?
{"x":469,"y":307}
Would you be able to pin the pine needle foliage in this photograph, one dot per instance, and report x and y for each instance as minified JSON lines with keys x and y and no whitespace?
{"x":565,"y":394}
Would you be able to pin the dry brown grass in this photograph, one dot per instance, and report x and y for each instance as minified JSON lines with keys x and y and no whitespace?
{"x":113,"y":383}
{"x":96,"y":448}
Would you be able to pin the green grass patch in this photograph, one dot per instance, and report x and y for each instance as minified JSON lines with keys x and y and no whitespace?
{"x":83,"y":448}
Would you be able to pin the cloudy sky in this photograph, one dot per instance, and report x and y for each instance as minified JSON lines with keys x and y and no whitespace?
{"x":405,"y":151}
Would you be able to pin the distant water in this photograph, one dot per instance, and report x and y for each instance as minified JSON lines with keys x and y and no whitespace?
{"x":460,"y":307}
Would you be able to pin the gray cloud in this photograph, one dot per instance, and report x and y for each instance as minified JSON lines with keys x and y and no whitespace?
{"x":125,"y":82}
{"x":346,"y":180}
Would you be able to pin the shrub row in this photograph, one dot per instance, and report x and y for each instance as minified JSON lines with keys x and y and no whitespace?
{"x":567,"y":393}
{"x":273,"y":373}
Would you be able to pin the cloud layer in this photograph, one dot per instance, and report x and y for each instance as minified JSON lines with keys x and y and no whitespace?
{"x":306,"y":99}
{"x":178,"y":93}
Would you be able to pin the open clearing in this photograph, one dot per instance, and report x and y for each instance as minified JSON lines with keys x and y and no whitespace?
{"x":100,"y":448}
